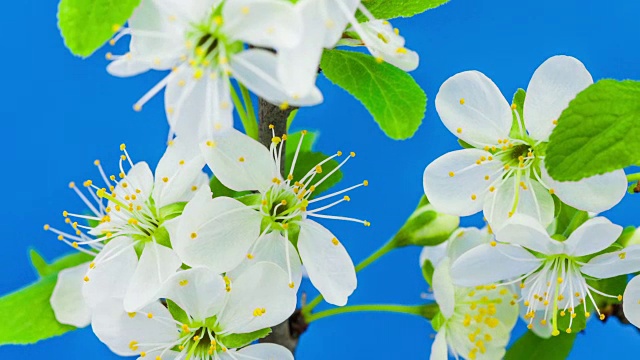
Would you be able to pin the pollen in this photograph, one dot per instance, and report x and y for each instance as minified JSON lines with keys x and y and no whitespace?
{"x":622,"y":255}
{"x":150,"y":315}
{"x":194,"y":235}
{"x":318,"y":169}
{"x":292,"y":285}
{"x":352,"y":154}
{"x":250,"y":256}
{"x":494,"y":244}
{"x":367,"y":224}
{"x":241,"y":159}
{"x":86,"y":279}
{"x":335,"y":241}
{"x":185,"y":328}
{"x":133,"y":345}
{"x":451,"y":174}
{"x":459,"y":130}
{"x":183,"y":282}
{"x":474,"y":197}
{"x":462,"y":101}
{"x":284,"y":106}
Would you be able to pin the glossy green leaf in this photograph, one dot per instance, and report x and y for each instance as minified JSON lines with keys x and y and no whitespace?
{"x":532,"y":347}
{"x":234,"y":341}
{"x":389,"y":9}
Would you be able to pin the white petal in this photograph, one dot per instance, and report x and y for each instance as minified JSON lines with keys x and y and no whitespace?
{"x":535,"y":202}
{"x":326,"y":260}
{"x":240,"y":162}
{"x":528,"y":232}
{"x":263,"y":23}
{"x":125,"y":67}
{"x":594,"y":194}
{"x":262,"y":287}
{"x":257,"y":69}
{"x":439,"y":348}
{"x":443,"y":289}
{"x":266,"y":351}
{"x":466,"y":239}
{"x":593,"y":236}
{"x":434,"y":254}
{"x":67,"y":301}
{"x":383,"y":42}
{"x":271,"y":248}
{"x":119,"y":329}
{"x":471,"y":106}
{"x":486,"y":264}
{"x":631,"y":304}
{"x":157,"y":263}
{"x":113,"y":268}
{"x":554,"y":84}
{"x":197,"y":103}
{"x":455,"y":194}
{"x":178,"y":173}
{"x":613,"y":264}
{"x":198,"y":291}
{"x":297,"y":68}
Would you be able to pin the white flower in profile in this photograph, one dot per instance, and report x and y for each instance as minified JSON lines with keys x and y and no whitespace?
{"x":323,"y":26}
{"x":473,"y":323}
{"x":213,"y":313}
{"x":204,"y":43}
{"x":552,"y":274}
{"x":220,"y":233}
{"x":631,"y":304}
{"x":128,"y":216}
{"x":504,"y":173}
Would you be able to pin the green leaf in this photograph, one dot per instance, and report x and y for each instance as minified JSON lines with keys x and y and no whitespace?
{"x":392,"y":96}
{"x":86,"y":25}
{"x":307,"y":161}
{"x":532,"y":347}
{"x":27,"y":316}
{"x":599,"y":132}
{"x":218,"y":189}
{"x":389,"y":9}
{"x":38,"y":262}
{"x":569,"y":219}
{"x":613,"y":286}
{"x":294,"y":138}
{"x":235,"y":341}
{"x":44,"y":269}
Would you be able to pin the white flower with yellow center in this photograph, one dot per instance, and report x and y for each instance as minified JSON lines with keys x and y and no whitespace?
{"x":552,"y":274}
{"x":323,"y":25}
{"x":127,"y":219}
{"x":473,"y":323}
{"x":214,"y":314}
{"x":204,"y":43}
{"x":504,"y":173}
{"x":276,"y":221}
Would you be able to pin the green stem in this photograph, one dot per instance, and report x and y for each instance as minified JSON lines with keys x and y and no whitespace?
{"x":307,"y":309}
{"x":633,"y":177}
{"x":251,"y":127}
{"x":246,"y":123}
{"x":418,"y":310}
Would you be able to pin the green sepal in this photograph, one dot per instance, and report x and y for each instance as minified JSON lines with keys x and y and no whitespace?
{"x":426,"y":227}
{"x":427,"y":272}
{"x":218,"y":189}
{"x":437,"y":321}
{"x":465,"y":144}
{"x":234,"y":341}
{"x":172,"y":211}
{"x":518,"y":101}
{"x":177,"y":313}
{"x":162,"y":237}
{"x":629,"y":237}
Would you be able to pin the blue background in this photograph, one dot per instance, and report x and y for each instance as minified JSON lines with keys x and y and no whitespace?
{"x":60,"y":113}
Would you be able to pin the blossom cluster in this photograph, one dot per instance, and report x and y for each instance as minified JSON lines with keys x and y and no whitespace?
{"x":525,"y":258}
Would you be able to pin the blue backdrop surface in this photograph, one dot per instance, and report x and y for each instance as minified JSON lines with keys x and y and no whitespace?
{"x":63,"y":113}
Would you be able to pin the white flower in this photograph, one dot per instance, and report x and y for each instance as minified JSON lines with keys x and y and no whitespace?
{"x":324,"y":23}
{"x":553,"y":274}
{"x":215,"y":311}
{"x":129,"y":222}
{"x":504,"y":172}
{"x":219,"y":233}
{"x":631,"y":304}
{"x":204,"y":42}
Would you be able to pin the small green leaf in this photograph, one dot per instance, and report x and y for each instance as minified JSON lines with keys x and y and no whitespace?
{"x":392,"y":96}
{"x":38,"y":262}
{"x":532,"y":347}
{"x":599,"y":132}
{"x":44,"y":269}
{"x":613,"y":286}
{"x":427,"y":272}
{"x":86,"y":25}
{"x":389,"y":9}
{"x":234,"y":341}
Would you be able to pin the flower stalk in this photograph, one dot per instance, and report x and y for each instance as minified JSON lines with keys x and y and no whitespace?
{"x":427,"y":311}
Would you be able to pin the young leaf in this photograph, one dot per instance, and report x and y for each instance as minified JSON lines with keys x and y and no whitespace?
{"x":240,"y":340}
{"x":44,"y":269}
{"x":599,"y":132}
{"x":38,"y":262}
{"x":532,"y":347}
{"x":392,"y":96}
{"x":389,"y":9}
{"x":86,"y":25}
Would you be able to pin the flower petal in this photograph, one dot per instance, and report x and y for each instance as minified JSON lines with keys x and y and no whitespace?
{"x":471,"y":106}
{"x":113,"y":268}
{"x":67,"y":301}
{"x":615,"y":263}
{"x":527,"y":232}
{"x":486,"y":264}
{"x":439,"y":350}
{"x":384,"y":43}
{"x":259,"y":298}
{"x":128,"y":334}
{"x":443,"y":289}
{"x":631,"y":305}
{"x":455,"y":183}
{"x":198,"y":291}
{"x":125,"y":67}
{"x":593,"y":236}
{"x":556,"y":82}
{"x":263,"y":23}
{"x":466,"y":239}
{"x":240,"y":162}
{"x":434,"y":254}
{"x":266,"y":351}
{"x":214,"y":233}
{"x":594,"y":194}
{"x":327,"y":262}
{"x":535,"y":202}
{"x":157,"y":263}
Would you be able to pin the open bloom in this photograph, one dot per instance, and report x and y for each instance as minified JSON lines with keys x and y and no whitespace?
{"x":552,"y":274}
{"x":503,"y":173}
{"x":204,"y":43}
{"x":212,"y":317}
{"x":219,"y":233}
{"x":323,"y":26}
{"x":127,"y":217}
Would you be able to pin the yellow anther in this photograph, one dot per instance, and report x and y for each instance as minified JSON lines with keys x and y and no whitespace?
{"x":367,"y":224}
{"x":241,"y":159}
{"x":165,"y":179}
{"x":568,"y":330}
{"x":602,"y":317}
{"x":318,"y":169}
{"x":459,"y":130}
{"x":92,"y":265}
{"x":194,"y":188}
{"x":285,"y":226}
{"x":250,"y":256}
{"x":121,"y":175}
{"x":75,"y":245}
{"x":335,"y":241}
{"x":346,"y":198}
{"x":555,"y":332}
{"x":507,"y":167}
{"x":619,"y":297}
{"x":210,"y":143}
{"x":514,"y":106}
{"x":474,"y":197}
{"x":271,"y":126}
{"x":194,"y":235}
{"x":245,"y":10}
{"x":133,"y":345}
{"x":493,"y":243}
{"x":86,"y":279}
{"x":622,"y":255}
{"x":284,"y":106}
{"x":185,"y":328}
{"x":492,"y":189}
{"x":365,"y":183}
{"x":183,"y":282}
{"x":133,"y":221}
{"x":401,"y":50}
{"x":218,"y":20}
{"x":555,"y":122}
{"x":587,"y":314}
{"x":462,"y":101}
{"x":196,"y":338}
{"x":292,"y":285}
{"x":60,"y":237}
{"x":451,"y":174}
{"x":276,"y":140}
{"x":150,"y":315}
{"x":543,"y":322}
{"x":46,"y":227}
